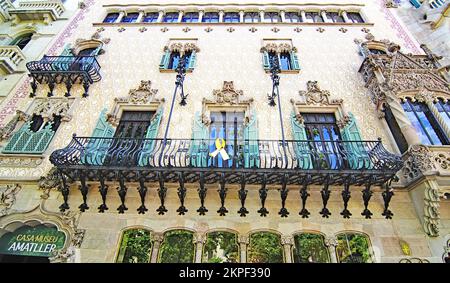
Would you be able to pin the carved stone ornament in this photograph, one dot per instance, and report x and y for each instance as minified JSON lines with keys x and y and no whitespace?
{"x":287,"y":240}
{"x":443,"y":160}
{"x":244,"y":240}
{"x":50,"y":107}
{"x":228,"y":94}
{"x":278,"y":48}
{"x":182,"y":47}
{"x":314,"y":95}
{"x":419,"y":161}
{"x":8,"y":198}
{"x":431,"y":217}
{"x":143,"y":94}
{"x":331,"y":242}
{"x":7,"y":130}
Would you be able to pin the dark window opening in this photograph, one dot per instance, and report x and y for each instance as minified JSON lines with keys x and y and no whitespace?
{"x":395,"y":129}
{"x":251,"y":17}
{"x":190,"y":18}
{"x":210,"y":17}
{"x":355,"y":17}
{"x":175,"y":59}
{"x":130,"y":18}
{"x":377,"y":51}
{"x":150,"y":18}
{"x":315,"y":16}
{"x":335,"y":17}
{"x":36,"y":123}
{"x":111,"y":18}
{"x":231,"y":18}
{"x":22,"y":41}
{"x":272,"y":17}
{"x":293,"y":17}
{"x":171,"y":18}
{"x":86,"y":52}
{"x":285,"y":61}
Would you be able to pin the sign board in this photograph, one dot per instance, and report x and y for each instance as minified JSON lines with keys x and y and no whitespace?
{"x":32,"y":241}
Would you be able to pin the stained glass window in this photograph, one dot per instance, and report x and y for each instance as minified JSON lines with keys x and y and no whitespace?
{"x":444,"y":109}
{"x":130,"y":18}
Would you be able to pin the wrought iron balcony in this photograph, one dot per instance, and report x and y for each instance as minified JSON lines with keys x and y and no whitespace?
{"x":70,"y":70}
{"x":37,"y":10}
{"x":10,"y":58}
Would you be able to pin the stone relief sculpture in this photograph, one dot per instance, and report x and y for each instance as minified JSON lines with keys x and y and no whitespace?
{"x":8,"y":198}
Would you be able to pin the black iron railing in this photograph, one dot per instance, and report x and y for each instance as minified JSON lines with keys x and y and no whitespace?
{"x":70,"y":70}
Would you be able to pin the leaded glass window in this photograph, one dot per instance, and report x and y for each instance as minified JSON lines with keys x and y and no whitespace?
{"x":177,"y":247}
{"x":309,"y":248}
{"x":111,"y":18}
{"x":171,"y":18}
{"x":424,"y":122}
{"x":210,"y":17}
{"x":272,"y":17}
{"x":355,"y":17}
{"x":292,"y":17}
{"x":130,"y":18}
{"x":221,"y":247}
{"x":265,"y":247}
{"x":150,"y":18}
{"x":231,"y":17}
{"x":353,"y":248}
{"x":251,"y":17}
{"x":190,"y":17}
{"x":135,"y":246}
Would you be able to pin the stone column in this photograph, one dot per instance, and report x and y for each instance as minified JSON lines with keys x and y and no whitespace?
{"x":221,"y":16}
{"x":199,"y":240}
{"x":287,"y":242}
{"x":180,"y":16}
{"x":119,"y":19}
{"x":243,"y":242}
{"x":241,"y":16}
{"x":303,"y":15}
{"x":344,"y":15}
{"x":331,"y":243}
{"x":200,"y":16}
{"x":405,"y":125}
{"x":141,"y":15}
{"x":157,"y":240}
{"x":283,"y":16}
{"x":324,"y":16}
{"x":261,"y":15}
{"x":427,"y":97}
{"x":160,"y":16}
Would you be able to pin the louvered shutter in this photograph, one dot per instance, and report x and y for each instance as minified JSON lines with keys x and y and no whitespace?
{"x":294,"y":61}
{"x":301,"y":147}
{"x":357,"y":154}
{"x":192,"y":60}
{"x":149,"y":145}
{"x":164,"y":64}
{"x":266,"y":60}
{"x":198,"y":151}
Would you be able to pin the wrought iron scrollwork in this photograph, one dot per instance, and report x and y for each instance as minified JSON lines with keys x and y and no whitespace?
{"x":387,"y":195}
{"x":162,"y":192}
{"x":304,"y":196}
{"x":202,"y":194}
{"x":142,"y":190}
{"x":181,"y":194}
{"x":262,"y":196}
{"x":84,"y":191}
{"x":122,"y":191}
{"x":325,"y":193}
{"x":103,"y":189}
{"x":222,"y":194}
{"x":367,"y":194}
{"x":242,"y":196}
{"x":65,"y":193}
{"x":346,"y":197}
{"x":284,"y":193}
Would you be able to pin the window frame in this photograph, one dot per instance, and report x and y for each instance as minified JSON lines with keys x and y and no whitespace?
{"x":153,"y":19}
{"x":208,"y":17}
{"x":171,"y":17}
{"x":191,"y":17}
{"x":288,"y":17}
{"x":270,"y":16}
{"x":254,"y":17}
{"x":232,"y":16}
{"x":130,"y":19}
{"x":109,"y":15}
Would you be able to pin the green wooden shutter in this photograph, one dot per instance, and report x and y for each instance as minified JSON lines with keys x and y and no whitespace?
{"x":198,"y":151}
{"x":356,"y":152}
{"x":301,"y":147}
{"x":27,"y":141}
{"x":294,"y":61}
{"x":192,"y":60}
{"x":149,"y":145}
{"x":96,"y":149}
{"x":67,"y":51}
{"x":265,"y":60}
{"x":164,"y":64}
{"x":251,"y":146}
{"x":62,"y":63}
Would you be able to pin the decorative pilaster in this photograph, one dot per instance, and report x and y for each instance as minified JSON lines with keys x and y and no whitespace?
{"x":283,"y":16}
{"x":221,"y":12}
{"x":287,"y":242}
{"x":141,"y":15}
{"x":303,"y":15}
{"x":324,"y":16}
{"x":243,"y":242}
{"x":344,"y":15}
{"x":120,"y":17}
{"x":241,"y":16}
{"x":199,"y":241}
{"x":180,"y":16}
{"x":157,"y":240}
{"x":331,"y":243}
{"x":427,"y":97}
{"x":160,"y":16}
{"x":261,"y":15}
{"x":200,"y":16}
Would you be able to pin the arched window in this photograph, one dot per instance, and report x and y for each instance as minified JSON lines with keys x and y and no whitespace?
{"x":22,"y":41}
{"x":310,"y":247}
{"x":231,"y":17}
{"x":265,"y":247}
{"x":292,"y":17}
{"x":87,"y":52}
{"x":353,"y":247}
{"x":130,"y":18}
{"x":135,"y":246}
{"x":221,"y":247}
{"x":111,"y":18}
{"x":210,"y":17}
{"x":272,"y":17}
{"x":171,"y":17}
{"x":150,"y":18}
{"x":177,"y":247}
{"x":251,"y":17}
{"x":190,"y":18}
{"x":376,"y":51}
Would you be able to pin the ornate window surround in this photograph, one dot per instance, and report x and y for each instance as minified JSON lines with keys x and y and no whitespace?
{"x":141,"y":98}
{"x":279,"y":45}
{"x":180,"y":45}
{"x":316,"y":100}
{"x":81,"y":44}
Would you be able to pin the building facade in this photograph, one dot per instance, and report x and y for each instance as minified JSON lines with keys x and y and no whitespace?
{"x":203,"y":131}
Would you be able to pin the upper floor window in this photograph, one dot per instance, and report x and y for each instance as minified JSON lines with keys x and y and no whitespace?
{"x":190,"y":18}
{"x":170,"y":18}
{"x":231,"y":17}
{"x":175,"y":59}
{"x":286,"y":60}
{"x":130,"y":18}
{"x":377,"y":51}
{"x":150,"y":18}
{"x":425,"y":123}
{"x":210,"y":17}
{"x":355,"y":17}
{"x":111,"y":18}
{"x":314,"y":17}
{"x":272,"y":17}
{"x":292,"y":17}
{"x":251,"y":17}
{"x":22,"y":41}
{"x":335,"y":17}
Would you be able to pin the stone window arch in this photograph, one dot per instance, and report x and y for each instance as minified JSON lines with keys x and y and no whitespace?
{"x":353,"y":247}
{"x":221,"y":246}
{"x":82,"y":45}
{"x":135,"y":246}
{"x":177,"y":247}
{"x":22,"y":40}
{"x":310,"y":247}
{"x":265,"y":247}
